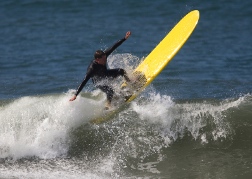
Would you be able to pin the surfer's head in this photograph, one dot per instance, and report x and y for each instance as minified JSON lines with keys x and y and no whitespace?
{"x":99,"y":54}
{"x":100,"y":57}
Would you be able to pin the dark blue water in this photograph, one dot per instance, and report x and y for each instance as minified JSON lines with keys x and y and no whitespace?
{"x":193,"y":121}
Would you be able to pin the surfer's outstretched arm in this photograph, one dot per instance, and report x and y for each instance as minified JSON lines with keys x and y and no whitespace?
{"x":84,"y":82}
{"x":80,"y":87}
{"x":117,"y":44}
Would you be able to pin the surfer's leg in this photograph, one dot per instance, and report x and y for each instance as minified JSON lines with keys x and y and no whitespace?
{"x":109,"y":93}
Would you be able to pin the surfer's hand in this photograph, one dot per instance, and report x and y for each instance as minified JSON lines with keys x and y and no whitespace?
{"x":127,"y":35}
{"x":73,"y":98}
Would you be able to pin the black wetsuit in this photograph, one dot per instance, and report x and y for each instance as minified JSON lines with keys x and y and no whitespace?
{"x":100,"y":72}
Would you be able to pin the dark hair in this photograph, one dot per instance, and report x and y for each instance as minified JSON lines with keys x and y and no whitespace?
{"x":98,"y":54}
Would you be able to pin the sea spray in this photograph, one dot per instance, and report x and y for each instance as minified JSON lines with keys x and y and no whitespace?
{"x":126,"y":60}
{"x":39,"y":125}
{"x":201,"y":119}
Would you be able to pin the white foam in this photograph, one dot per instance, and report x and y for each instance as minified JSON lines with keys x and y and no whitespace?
{"x":60,"y":171}
{"x":174,"y":119}
{"x":69,"y":168}
{"x":39,"y":126}
{"x":156,"y":109}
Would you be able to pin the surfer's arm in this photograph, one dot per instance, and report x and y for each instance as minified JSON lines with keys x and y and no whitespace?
{"x":117,"y":44}
{"x":84,"y":82}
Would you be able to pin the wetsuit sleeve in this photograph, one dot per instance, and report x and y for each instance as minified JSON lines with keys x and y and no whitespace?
{"x":85,"y":80}
{"x":111,"y":49}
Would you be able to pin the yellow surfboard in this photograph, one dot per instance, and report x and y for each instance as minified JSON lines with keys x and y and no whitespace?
{"x":157,"y":60}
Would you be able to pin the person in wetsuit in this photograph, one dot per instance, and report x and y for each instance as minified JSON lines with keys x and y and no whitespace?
{"x":99,"y":72}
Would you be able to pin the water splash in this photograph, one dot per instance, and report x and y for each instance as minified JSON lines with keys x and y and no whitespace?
{"x":203,"y":120}
{"x":39,"y":126}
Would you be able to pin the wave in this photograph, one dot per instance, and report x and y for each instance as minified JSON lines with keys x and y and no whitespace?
{"x":50,"y":126}
{"x":39,"y":125}
{"x":203,"y":120}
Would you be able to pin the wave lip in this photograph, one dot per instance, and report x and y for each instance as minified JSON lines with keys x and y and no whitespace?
{"x":206,"y":121}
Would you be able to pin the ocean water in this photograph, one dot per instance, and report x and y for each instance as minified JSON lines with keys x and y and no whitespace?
{"x":193,"y":121}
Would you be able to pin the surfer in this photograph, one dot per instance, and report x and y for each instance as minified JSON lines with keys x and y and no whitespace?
{"x":99,"y":72}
